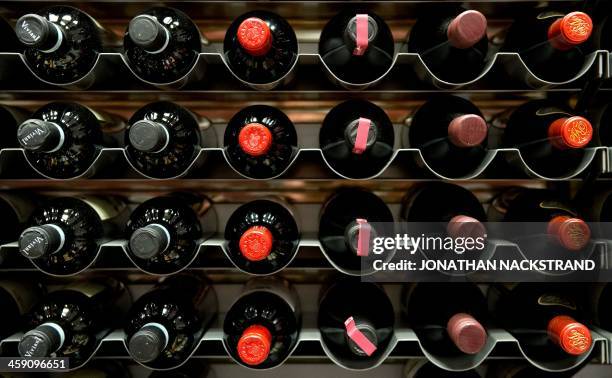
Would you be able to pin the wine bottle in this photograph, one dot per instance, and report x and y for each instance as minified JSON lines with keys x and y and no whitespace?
{"x":540,"y":213}
{"x":11,"y":117}
{"x":552,"y":44}
{"x":357,"y":138}
{"x":426,"y":369}
{"x":165,"y":324}
{"x":545,"y":319}
{"x":449,"y":320}
{"x":452,"y":41}
{"x":61,"y":43}
{"x":356,"y":322}
{"x":262,"y":236}
{"x":63,"y":139}
{"x":260,"y":48}
{"x":262,"y":326}
{"x":550,"y":137}
{"x":451,"y":133}
{"x":162,"y":45}
{"x":64,"y":233}
{"x":347,"y":217}
{"x":17,"y":297}
{"x":357,"y":46}
{"x":163,"y":139}
{"x":444,"y":208}
{"x":70,"y":322}
{"x":165,"y":232}
{"x":260,"y":142}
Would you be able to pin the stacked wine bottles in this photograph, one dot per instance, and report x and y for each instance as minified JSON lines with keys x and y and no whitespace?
{"x":200,"y":189}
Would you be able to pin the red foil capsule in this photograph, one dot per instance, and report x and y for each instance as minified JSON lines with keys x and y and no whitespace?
{"x":256,"y":243}
{"x":573,"y":337}
{"x":254,"y":36}
{"x":254,"y":345}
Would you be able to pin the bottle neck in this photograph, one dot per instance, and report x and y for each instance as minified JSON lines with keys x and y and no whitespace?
{"x":42,"y":341}
{"x":40,"y":136}
{"x":148,"y":342}
{"x":149,"y":136}
{"x":149,"y":241}
{"x":39,"y":241}
{"x":359,"y":32}
{"x":35,"y":31}
{"x":148,"y":33}
{"x":570,"y":31}
{"x":361,"y":134}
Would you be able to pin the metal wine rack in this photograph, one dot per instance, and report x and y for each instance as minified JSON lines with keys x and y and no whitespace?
{"x":505,"y":82}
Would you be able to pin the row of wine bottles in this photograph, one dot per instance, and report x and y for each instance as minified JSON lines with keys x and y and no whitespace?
{"x":356,"y":320}
{"x":162,"y":45}
{"x":358,"y":140}
{"x":62,"y":235}
{"x":198,"y":369}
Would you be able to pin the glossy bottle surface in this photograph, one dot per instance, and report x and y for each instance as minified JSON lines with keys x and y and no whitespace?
{"x":452,"y":42}
{"x":261,"y":329}
{"x":550,"y":136}
{"x":71,"y":321}
{"x":64,"y":233}
{"x":260,"y":141}
{"x":162,"y":139}
{"x":166,"y":323}
{"x":165,"y":232}
{"x":162,"y":45}
{"x":553,"y":44}
{"x":62,"y":43}
{"x":369,"y":307}
{"x":451,"y":133}
{"x":352,"y":58}
{"x":339,"y":227}
{"x":260,"y":47}
{"x":357,"y":138}
{"x":62,"y":139}
{"x":262,"y":236}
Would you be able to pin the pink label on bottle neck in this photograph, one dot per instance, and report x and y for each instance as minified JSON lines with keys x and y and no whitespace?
{"x":361,"y":35}
{"x":363,"y":238}
{"x":361,"y":140}
{"x":358,"y":337}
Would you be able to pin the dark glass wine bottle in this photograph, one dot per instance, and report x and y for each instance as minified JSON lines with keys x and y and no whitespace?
{"x":444,"y":208}
{"x":62,"y":43}
{"x":449,"y":319}
{"x":357,"y":138}
{"x":356,"y":322}
{"x":550,"y":137}
{"x":166,"y":324}
{"x":262,"y":236}
{"x":260,"y":142}
{"x":63,"y":139}
{"x":357,"y":46}
{"x":65,"y":232}
{"x":552,"y":44}
{"x":544,"y":318}
{"x":70,"y":322}
{"x":260,"y":47}
{"x":452,"y":42}
{"x":262,"y":326}
{"x":540,"y":214}
{"x":165,"y":232}
{"x":163,"y":139}
{"x":451,"y":133}
{"x":162,"y":45}
{"x":342,"y":222}
{"x":17,"y":297}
